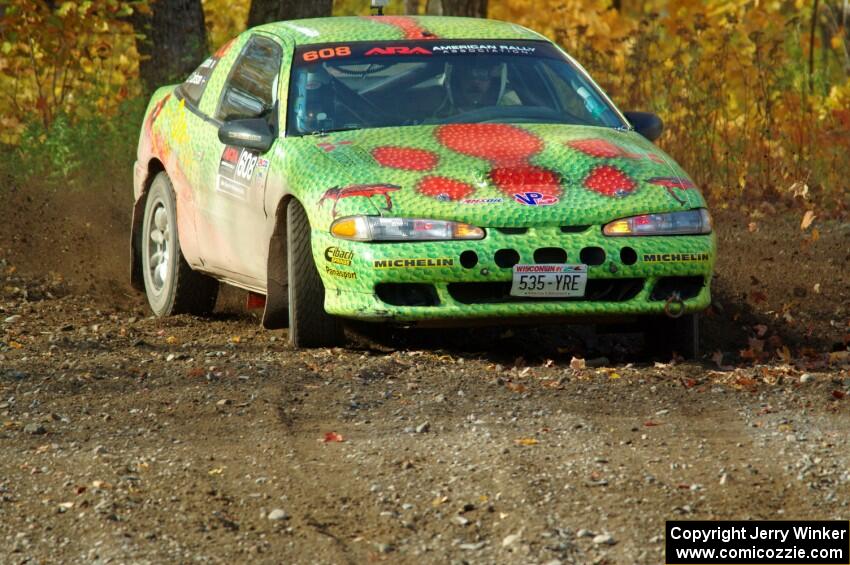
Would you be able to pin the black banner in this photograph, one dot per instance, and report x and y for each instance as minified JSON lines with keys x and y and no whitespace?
{"x":758,"y":542}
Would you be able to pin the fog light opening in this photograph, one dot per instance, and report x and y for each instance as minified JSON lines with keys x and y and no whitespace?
{"x":592,"y":256}
{"x":628,"y":256}
{"x":468,"y":259}
{"x":506,"y":258}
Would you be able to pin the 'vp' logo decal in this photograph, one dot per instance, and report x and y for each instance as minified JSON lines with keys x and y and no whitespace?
{"x":535,"y":199}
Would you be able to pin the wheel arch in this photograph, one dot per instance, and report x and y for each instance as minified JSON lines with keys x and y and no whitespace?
{"x":276,"y":313}
{"x":155,"y":167}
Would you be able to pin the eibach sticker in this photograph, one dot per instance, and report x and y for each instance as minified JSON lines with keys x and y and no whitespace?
{"x":236,"y":170}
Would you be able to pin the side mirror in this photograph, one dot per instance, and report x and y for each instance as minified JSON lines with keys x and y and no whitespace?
{"x":646,"y":123}
{"x":254,"y":133}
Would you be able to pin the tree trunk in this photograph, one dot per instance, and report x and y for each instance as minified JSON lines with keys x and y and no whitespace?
{"x":174,"y":43}
{"x":471,"y":8}
{"x":265,"y":11}
{"x":411,"y":7}
{"x":434,"y":8}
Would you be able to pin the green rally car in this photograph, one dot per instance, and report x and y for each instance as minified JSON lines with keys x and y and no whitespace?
{"x":417,"y":171}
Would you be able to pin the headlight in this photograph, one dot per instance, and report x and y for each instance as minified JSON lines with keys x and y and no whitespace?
{"x":377,"y":228}
{"x":692,"y":222}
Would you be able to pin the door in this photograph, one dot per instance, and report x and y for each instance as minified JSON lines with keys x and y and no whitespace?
{"x":232,"y":218}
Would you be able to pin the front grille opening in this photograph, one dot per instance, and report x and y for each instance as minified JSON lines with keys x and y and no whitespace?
{"x":597,"y":290}
{"x":512,"y":231}
{"x":468,"y":259}
{"x":592,"y":256}
{"x":407,"y":294}
{"x":687,"y":287}
{"x":575,"y":229}
{"x":550,"y":255}
{"x":506,"y":258}
{"x":628,"y":256}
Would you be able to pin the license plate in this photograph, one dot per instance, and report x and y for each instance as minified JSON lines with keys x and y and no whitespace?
{"x":549,"y":281}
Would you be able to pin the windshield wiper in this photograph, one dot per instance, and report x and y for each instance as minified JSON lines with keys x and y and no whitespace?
{"x":324,"y":132}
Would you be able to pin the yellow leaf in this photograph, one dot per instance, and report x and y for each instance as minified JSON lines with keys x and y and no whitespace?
{"x":808,"y":218}
{"x":526,"y":441}
{"x":171,"y":340}
{"x":836,"y":42}
{"x":65,"y":8}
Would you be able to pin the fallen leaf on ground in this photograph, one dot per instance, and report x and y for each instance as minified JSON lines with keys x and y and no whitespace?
{"x":526,"y":441}
{"x":745,"y":382}
{"x":689,"y":382}
{"x":758,"y":296}
{"x":839,"y":357}
{"x":808,"y":218}
{"x":331,"y":437}
{"x":838,"y":395}
{"x":515,"y":387}
{"x":717,"y":357}
{"x":651,"y":423}
{"x":577,"y":364}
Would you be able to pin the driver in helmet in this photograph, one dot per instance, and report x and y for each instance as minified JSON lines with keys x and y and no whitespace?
{"x":476,"y":82}
{"x":315,"y":106}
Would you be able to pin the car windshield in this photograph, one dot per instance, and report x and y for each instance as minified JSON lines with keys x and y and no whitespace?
{"x":361,"y":85}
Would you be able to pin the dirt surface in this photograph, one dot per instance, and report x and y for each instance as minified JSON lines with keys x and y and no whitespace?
{"x":131,"y":439}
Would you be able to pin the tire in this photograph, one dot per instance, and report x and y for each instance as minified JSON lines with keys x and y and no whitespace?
{"x":309,"y":324}
{"x":665,"y":336}
{"x":171,"y":286}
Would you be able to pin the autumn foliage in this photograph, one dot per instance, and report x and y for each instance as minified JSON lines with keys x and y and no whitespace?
{"x":744,"y":112}
{"x":76,"y":59}
{"x":755,"y":95}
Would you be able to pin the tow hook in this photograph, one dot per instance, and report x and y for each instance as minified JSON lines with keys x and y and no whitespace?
{"x":675,"y":306}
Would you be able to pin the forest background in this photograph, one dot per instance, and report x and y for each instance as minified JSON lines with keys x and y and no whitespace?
{"x":755,"y":94}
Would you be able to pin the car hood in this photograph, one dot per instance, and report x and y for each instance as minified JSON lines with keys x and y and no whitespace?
{"x":491,"y":175}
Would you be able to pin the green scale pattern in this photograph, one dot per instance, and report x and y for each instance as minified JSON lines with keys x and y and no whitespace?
{"x":587,"y":176}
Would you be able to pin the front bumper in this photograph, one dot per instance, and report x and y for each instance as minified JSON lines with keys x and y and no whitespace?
{"x":627,"y":276}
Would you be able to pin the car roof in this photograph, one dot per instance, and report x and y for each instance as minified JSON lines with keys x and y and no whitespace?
{"x":389,"y":28}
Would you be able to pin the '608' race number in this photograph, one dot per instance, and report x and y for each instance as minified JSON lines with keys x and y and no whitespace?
{"x":327,"y":53}
{"x":246,"y":164}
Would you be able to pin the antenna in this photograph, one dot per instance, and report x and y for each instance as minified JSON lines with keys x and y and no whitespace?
{"x":379,"y":5}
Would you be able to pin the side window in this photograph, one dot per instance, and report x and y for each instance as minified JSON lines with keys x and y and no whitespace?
{"x":193,"y":88}
{"x":250,"y":90}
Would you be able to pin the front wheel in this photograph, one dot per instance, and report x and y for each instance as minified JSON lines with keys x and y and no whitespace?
{"x":309,"y":324}
{"x":171,"y":286}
